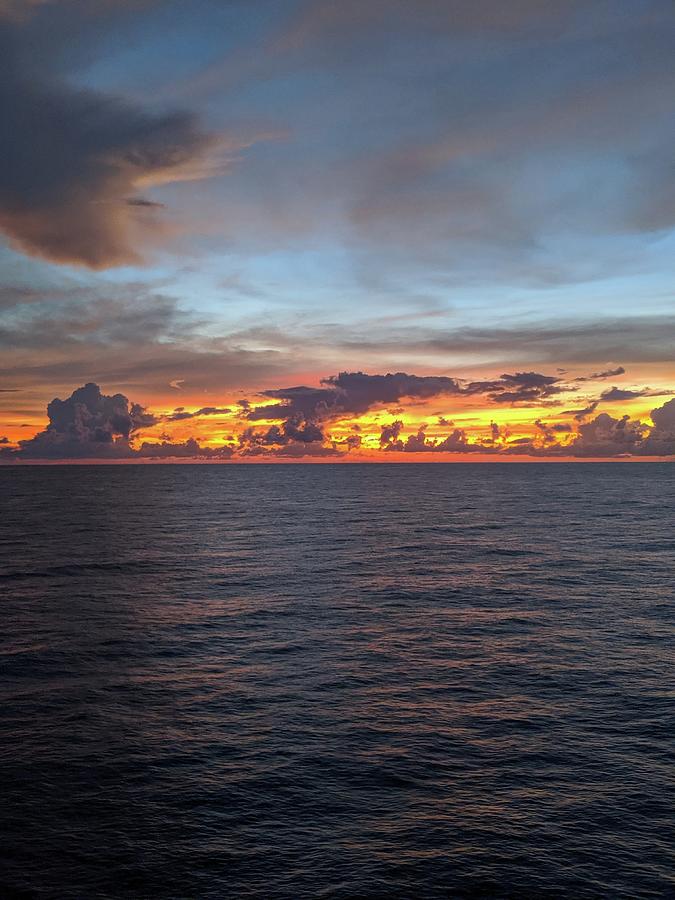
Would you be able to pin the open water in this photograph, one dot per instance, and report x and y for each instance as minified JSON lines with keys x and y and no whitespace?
{"x":337,"y":681}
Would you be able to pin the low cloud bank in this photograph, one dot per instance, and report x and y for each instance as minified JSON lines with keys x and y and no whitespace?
{"x":93,"y":425}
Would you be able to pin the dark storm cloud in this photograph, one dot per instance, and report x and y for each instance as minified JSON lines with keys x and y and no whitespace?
{"x":88,"y":424}
{"x":72,"y":160}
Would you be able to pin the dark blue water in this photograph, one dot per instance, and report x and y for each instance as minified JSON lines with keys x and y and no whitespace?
{"x":338,"y":681}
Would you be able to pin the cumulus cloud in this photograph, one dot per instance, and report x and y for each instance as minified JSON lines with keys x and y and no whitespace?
{"x":418,"y":442}
{"x":603,"y":437}
{"x":661,"y":440}
{"x":607,"y":436}
{"x":92,"y":425}
{"x":88,"y":424}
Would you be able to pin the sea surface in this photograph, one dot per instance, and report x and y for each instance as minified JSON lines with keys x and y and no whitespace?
{"x":337,"y":681}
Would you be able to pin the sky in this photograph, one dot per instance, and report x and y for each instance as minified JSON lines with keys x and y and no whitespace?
{"x":302,"y":230}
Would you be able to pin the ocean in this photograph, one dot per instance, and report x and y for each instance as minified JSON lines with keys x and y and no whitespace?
{"x":338,"y":681}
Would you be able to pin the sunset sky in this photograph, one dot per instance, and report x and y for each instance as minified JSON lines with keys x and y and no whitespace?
{"x":319,"y":230}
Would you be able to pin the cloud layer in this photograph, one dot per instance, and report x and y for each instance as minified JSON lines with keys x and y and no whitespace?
{"x":93,"y":425}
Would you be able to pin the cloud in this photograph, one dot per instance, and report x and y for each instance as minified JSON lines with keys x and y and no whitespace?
{"x":359,"y":392}
{"x":616,"y":394}
{"x":389,"y":433}
{"x":522,"y":387}
{"x":129,"y":335}
{"x":355,"y":393}
{"x":664,"y":416}
{"x":88,"y":424}
{"x":73,"y":161}
{"x":608,"y":373}
{"x":551,"y":432}
{"x":319,"y":20}
{"x":583,"y":413}
{"x":643,"y":338}
{"x":603,"y":437}
{"x":661,"y":440}
{"x":418,"y":442}
{"x":607,"y":436}
{"x":292,"y":450}
{"x":303,"y":410}
{"x":93,"y":425}
{"x":189,"y":449}
{"x":180,"y":414}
